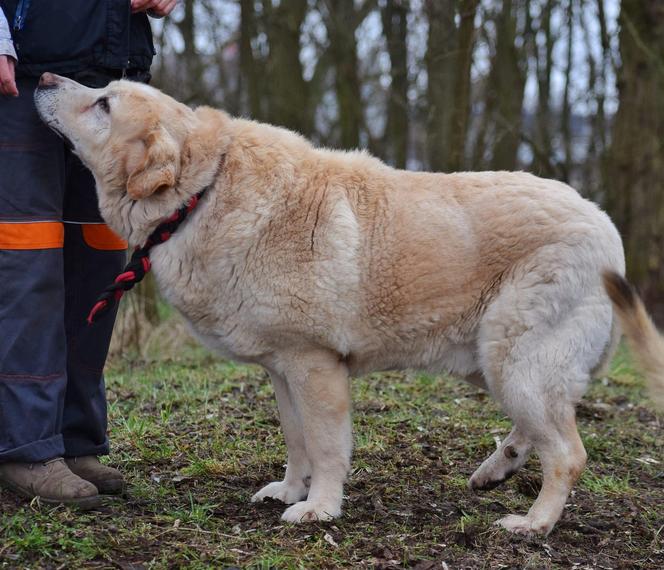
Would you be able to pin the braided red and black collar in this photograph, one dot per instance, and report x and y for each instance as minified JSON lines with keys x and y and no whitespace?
{"x":139,"y":264}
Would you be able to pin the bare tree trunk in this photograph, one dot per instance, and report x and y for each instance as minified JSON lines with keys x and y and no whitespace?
{"x":191,"y":61}
{"x":440,"y":56}
{"x":461,"y":108}
{"x":566,"y":111}
{"x":148,"y":299}
{"x":635,"y":160}
{"x":395,"y":27}
{"x":342,"y":22}
{"x":607,"y":62}
{"x":507,"y":80}
{"x":544,"y":62}
{"x":603,"y":126}
{"x":249,"y":72}
{"x":287,"y":88}
{"x":592,"y":182}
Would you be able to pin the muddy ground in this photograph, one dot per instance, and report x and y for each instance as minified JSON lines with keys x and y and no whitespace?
{"x":197,"y":437}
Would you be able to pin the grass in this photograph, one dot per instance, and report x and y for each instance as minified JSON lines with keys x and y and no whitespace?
{"x":196,"y":437}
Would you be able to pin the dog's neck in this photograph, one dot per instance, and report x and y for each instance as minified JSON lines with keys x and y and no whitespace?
{"x":134,"y":220}
{"x":202,"y":165}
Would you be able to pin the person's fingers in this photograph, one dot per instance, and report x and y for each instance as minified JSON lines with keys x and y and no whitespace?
{"x":7,"y":76}
{"x":140,"y":5}
{"x":4,"y":74}
{"x":158,"y":8}
{"x":162,"y":7}
{"x":12,"y":70}
{"x":166,"y":6}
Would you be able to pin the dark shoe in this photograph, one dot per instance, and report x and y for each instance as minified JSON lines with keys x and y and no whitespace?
{"x":109,"y":481}
{"x":51,"y":481}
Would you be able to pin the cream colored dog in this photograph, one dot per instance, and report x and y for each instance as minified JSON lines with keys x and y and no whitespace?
{"x":321,"y":265}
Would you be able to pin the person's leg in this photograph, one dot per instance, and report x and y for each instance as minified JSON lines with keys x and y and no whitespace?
{"x":93,"y":257}
{"x":32,"y":348}
{"x":32,"y":342}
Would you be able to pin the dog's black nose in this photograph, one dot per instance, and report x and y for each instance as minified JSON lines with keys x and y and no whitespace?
{"x":48,"y":80}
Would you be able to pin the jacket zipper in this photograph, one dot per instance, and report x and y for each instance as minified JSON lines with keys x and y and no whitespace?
{"x":21,"y":12}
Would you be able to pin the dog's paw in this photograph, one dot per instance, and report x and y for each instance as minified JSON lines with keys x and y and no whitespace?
{"x":524,"y":525}
{"x":310,"y":511}
{"x":499,"y":467}
{"x":281,"y":491}
{"x":486,"y":479}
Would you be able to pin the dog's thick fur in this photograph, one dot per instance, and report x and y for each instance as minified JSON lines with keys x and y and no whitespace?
{"x":321,"y":265}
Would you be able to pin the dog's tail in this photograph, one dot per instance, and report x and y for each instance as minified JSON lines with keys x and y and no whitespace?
{"x":645,"y":341}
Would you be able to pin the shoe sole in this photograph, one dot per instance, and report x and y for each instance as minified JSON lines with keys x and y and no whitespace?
{"x":81,"y":503}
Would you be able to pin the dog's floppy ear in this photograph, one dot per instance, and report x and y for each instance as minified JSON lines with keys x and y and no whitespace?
{"x":159,"y":169}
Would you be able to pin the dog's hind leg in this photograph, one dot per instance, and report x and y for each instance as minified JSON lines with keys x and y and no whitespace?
{"x":535,"y":395}
{"x":563,"y":459}
{"x":509,"y":457}
{"x":294,"y":486}
{"x":538,"y":344}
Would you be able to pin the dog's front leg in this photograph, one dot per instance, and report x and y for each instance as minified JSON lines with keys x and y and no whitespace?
{"x":294,"y":486}
{"x":318,"y":385}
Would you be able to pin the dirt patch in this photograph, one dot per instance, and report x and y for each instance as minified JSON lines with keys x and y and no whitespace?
{"x":197,"y":439}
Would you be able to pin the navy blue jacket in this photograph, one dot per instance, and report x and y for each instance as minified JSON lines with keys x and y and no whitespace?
{"x":68,"y":36}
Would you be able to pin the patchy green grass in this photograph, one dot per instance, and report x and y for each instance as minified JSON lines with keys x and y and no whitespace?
{"x":197,"y":437}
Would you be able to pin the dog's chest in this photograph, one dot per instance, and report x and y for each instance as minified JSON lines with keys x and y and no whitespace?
{"x":208,"y":294}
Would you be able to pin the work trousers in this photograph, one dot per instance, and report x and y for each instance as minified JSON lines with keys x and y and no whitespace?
{"x":56,"y":256}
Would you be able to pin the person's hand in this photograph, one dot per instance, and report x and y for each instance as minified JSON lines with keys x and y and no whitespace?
{"x":7,"y":77}
{"x":159,"y":8}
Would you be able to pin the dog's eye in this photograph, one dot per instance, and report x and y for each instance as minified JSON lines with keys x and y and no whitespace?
{"x":103,"y":104}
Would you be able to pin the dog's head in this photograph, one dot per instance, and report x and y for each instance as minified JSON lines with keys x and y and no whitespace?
{"x":139,"y":143}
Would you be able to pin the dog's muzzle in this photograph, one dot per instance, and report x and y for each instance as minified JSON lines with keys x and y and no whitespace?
{"x":44,"y":102}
